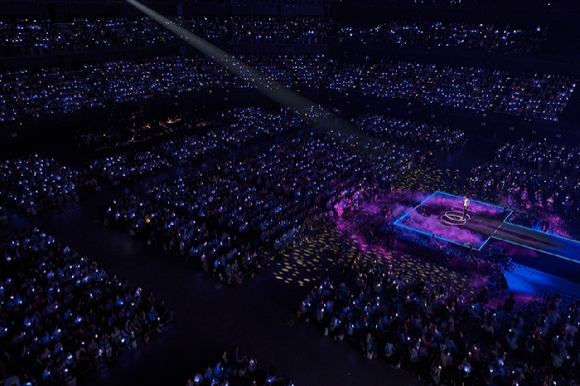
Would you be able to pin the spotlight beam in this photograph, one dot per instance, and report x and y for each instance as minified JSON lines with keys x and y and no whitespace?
{"x":272,"y":89}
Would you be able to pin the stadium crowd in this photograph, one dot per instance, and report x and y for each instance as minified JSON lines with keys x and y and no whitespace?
{"x":109,"y":32}
{"x":443,"y":336}
{"x":293,"y":71}
{"x":264,"y":203}
{"x":29,"y":33}
{"x":439,"y":137}
{"x":62,"y":314}
{"x":237,"y":370}
{"x":32,"y":183}
{"x":8,"y":110}
{"x":236,"y":127}
{"x":52,"y":91}
{"x":471,"y":88}
{"x":128,"y":166}
{"x":438,"y":34}
{"x":533,"y":175}
{"x":21,"y":35}
{"x":250,"y":123}
{"x":99,"y":32}
{"x":537,"y":97}
{"x":265,"y":30}
{"x":467,"y":88}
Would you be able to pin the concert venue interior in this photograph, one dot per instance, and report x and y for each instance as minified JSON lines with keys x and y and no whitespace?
{"x":289,"y":192}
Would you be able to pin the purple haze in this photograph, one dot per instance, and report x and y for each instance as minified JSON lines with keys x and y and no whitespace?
{"x":432,"y":225}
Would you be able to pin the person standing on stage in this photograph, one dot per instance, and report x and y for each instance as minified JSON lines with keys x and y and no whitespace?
{"x":465,"y":205}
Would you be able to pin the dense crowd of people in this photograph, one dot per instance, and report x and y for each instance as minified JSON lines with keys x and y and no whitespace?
{"x":35,"y":182}
{"x":265,"y":30}
{"x":32,"y":183}
{"x":437,"y":136}
{"x":99,"y":32}
{"x":293,"y":71}
{"x":123,"y":81}
{"x":192,"y":236}
{"x":228,"y":221}
{"x":250,"y":123}
{"x":191,"y":148}
{"x":471,"y":88}
{"x":537,"y":179}
{"x":8,"y":111}
{"x":129,"y":166}
{"x":441,"y":35}
{"x":20,"y":35}
{"x":62,"y":314}
{"x":233,"y":369}
{"x":537,"y":97}
{"x":236,"y":127}
{"x":446,"y":337}
{"x":29,"y":33}
{"x":532,"y":175}
{"x":52,"y":91}
{"x":467,"y":88}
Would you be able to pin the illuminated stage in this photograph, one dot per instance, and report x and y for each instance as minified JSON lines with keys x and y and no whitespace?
{"x":440,"y":216}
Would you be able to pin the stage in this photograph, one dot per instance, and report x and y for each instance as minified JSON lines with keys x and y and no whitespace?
{"x":440,"y":217}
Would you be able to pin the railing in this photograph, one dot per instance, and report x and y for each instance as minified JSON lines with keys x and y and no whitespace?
{"x":542,"y":297}
{"x":356,"y":224}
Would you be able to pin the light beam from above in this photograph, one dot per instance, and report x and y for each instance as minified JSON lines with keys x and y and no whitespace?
{"x":280,"y":94}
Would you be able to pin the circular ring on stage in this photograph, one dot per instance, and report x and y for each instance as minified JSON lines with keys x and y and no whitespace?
{"x":453,"y":218}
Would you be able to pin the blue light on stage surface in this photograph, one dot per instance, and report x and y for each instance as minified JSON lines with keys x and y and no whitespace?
{"x":471,"y":237}
{"x":541,"y":232}
{"x":451,"y":234}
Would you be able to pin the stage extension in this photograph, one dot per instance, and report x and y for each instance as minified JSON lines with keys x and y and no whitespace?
{"x":440,"y":216}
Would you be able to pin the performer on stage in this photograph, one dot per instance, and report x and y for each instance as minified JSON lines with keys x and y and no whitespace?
{"x":465,"y":205}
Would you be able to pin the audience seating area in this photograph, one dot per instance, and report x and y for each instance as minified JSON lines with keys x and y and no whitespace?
{"x":439,"y":137}
{"x":25,"y":36}
{"x":52,"y":91}
{"x":33,"y":93}
{"x":460,"y":87}
{"x":226,"y":207}
{"x":233,"y":369}
{"x":230,"y":222}
{"x":20,"y":36}
{"x":537,"y":177}
{"x":446,"y":35}
{"x":62,"y":314}
{"x":445,"y":337}
{"x":35,"y":182}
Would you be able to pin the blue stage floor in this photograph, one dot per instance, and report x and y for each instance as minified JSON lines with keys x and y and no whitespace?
{"x":440,"y":215}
